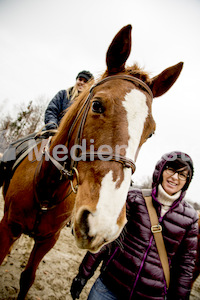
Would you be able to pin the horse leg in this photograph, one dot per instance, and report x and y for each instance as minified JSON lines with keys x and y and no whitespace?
{"x":28,"y":275}
{"x":9,"y":233}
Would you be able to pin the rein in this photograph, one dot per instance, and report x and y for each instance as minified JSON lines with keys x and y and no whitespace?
{"x":126,"y":162}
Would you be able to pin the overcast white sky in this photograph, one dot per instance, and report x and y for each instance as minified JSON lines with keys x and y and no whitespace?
{"x":45,"y":43}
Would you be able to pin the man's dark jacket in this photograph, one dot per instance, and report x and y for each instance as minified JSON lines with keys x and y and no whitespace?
{"x":56,"y":109}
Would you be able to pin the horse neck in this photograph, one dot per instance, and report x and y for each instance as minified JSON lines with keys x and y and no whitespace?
{"x":49,"y":177}
{"x":48,"y":169}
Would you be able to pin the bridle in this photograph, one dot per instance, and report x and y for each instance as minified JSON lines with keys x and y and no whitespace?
{"x":126,"y":162}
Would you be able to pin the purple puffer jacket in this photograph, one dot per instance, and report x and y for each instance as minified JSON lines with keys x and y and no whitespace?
{"x":131,"y":266}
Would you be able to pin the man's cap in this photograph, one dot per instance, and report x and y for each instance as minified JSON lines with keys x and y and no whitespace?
{"x":85,"y":74}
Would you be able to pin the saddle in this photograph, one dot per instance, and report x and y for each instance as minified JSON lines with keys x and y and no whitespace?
{"x":17,"y":151}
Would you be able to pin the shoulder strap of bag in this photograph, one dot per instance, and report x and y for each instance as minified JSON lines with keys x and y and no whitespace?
{"x":156,"y":229}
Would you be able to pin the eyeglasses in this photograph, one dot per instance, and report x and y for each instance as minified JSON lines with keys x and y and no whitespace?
{"x":182,"y":176}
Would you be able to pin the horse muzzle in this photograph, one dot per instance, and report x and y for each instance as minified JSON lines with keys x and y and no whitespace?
{"x":91,"y":231}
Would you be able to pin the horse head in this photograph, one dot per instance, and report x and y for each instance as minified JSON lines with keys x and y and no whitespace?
{"x":115,"y":119}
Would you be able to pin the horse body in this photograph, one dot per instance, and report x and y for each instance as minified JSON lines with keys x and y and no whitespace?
{"x":110,"y":125}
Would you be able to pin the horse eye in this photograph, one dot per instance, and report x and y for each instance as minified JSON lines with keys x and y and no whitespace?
{"x":97,"y":107}
{"x":150,"y":135}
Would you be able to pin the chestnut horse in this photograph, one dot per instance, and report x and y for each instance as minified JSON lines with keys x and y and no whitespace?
{"x":83,"y":174}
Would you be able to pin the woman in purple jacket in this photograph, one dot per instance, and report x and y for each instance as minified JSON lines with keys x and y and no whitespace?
{"x":131,"y":266}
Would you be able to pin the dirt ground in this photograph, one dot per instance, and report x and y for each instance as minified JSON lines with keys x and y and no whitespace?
{"x":55,"y":272}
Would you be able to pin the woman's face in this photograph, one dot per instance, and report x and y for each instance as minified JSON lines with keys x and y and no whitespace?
{"x":174,"y":180}
{"x":80,"y":83}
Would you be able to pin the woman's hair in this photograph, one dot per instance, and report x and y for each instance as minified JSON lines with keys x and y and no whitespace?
{"x":72,"y":93}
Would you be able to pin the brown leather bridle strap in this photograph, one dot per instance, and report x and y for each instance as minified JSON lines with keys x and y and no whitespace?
{"x":134,"y":80}
{"x":78,"y":115}
{"x":106,"y":156}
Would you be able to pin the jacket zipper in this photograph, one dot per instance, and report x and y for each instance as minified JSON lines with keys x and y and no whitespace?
{"x":141,"y":266}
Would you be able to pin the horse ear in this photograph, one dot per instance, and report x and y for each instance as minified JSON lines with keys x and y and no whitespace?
{"x":119,"y":50}
{"x":161,"y":83}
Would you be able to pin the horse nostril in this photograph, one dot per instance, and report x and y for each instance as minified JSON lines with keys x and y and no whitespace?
{"x":72,"y":231}
{"x":83,"y":221}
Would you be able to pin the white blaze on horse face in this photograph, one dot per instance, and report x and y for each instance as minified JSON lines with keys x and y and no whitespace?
{"x":112,"y":196}
{"x":137,"y":112}
{"x":111,"y":201}
{"x":103,"y":223}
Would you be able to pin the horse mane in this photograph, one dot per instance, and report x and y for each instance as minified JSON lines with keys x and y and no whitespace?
{"x":134,"y":71}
